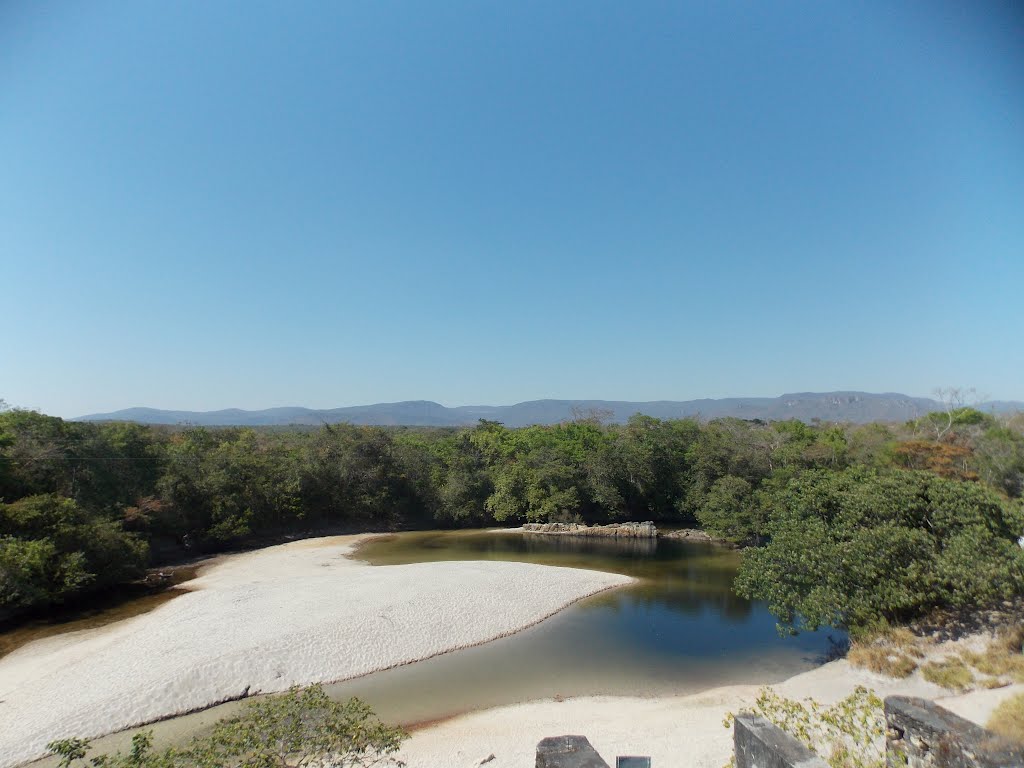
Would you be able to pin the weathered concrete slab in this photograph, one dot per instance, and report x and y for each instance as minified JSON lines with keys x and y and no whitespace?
{"x":759,"y":744}
{"x":568,"y":752}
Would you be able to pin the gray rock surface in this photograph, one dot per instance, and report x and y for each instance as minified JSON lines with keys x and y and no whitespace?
{"x":568,"y":752}
{"x":645,"y":530}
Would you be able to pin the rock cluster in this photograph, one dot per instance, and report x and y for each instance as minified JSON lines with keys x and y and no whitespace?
{"x":695,"y":534}
{"x":644,"y":530}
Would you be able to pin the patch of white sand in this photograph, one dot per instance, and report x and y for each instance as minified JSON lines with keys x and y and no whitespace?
{"x":673,"y":730}
{"x":294,"y":614}
{"x":978,"y":706}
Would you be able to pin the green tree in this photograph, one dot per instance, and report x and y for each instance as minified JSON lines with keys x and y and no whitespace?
{"x":53,"y":549}
{"x":853,"y":548}
{"x":999,"y":453}
{"x":465,"y":481}
{"x":37,"y":452}
{"x":730,"y":510}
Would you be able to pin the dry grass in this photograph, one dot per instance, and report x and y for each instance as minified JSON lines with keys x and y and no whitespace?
{"x":883,"y":660}
{"x":949,"y":673}
{"x":996,"y":664}
{"x":993,"y":682}
{"x":906,"y":641}
{"x":898,"y":652}
{"x":889,"y":651}
{"x":1011,"y":639}
{"x":1008,"y":719}
{"x":1002,"y":658}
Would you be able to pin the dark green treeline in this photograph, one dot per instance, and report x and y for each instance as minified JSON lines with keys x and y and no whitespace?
{"x":84,"y":506}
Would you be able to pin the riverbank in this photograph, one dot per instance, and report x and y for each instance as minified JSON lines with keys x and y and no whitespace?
{"x":672,"y":730}
{"x":262,"y":621}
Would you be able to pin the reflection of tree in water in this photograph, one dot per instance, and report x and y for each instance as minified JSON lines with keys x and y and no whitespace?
{"x":689,"y":598}
{"x":625,"y":547}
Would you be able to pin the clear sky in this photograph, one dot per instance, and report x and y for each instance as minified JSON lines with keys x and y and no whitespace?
{"x":216,"y":204}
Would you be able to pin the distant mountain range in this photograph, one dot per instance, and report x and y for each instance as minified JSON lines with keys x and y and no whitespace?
{"x":857,"y":407}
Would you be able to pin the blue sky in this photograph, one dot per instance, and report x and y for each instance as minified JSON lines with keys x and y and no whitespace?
{"x":216,"y":204}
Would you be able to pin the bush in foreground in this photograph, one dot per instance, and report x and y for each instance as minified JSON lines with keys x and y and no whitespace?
{"x":302,"y":727}
{"x":846,"y":735}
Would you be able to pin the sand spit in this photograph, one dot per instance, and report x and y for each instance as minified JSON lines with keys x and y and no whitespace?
{"x":293,"y":614}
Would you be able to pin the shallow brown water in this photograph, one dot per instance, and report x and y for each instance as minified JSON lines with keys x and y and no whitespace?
{"x":132,"y":600}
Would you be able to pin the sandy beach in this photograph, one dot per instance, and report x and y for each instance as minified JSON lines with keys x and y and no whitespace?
{"x":672,"y":730}
{"x":293,"y":614}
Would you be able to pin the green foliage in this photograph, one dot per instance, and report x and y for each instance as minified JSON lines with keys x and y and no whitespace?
{"x":303,"y":727}
{"x":296,"y":729}
{"x":72,"y":753}
{"x":847,"y":735}
{"x":79,"y":502}
{"x":33,"y":573}
{"x":999,"y":456}
{"x":731,"y":511}
{"x":941,"y":422}
{"x":53,"y":549}
{"x":854,"y":548}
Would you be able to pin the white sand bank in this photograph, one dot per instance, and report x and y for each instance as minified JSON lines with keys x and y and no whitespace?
{"x":673,"y":730}
{"x":259,"y":622}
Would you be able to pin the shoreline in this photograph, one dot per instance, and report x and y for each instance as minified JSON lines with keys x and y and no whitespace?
{"x":662,"y":727}
{"x":261,"y":621}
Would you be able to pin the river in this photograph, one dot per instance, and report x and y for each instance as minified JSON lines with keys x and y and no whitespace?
{"x":679,"y":629}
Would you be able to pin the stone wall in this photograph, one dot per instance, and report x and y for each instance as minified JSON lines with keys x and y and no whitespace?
{"x":921,"y":734}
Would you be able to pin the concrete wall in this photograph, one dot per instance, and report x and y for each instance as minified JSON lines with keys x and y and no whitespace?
{"x":568,"y":752}
{"x":759,"y":744}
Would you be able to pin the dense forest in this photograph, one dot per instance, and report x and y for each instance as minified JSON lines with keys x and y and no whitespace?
{"x":848,"y":524}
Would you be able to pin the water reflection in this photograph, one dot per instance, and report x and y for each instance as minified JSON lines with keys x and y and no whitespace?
{"x":679,"y":629}
{"x":610,"y":547}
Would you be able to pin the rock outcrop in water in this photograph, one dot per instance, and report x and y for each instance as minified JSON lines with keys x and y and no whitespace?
{"x":645,"y":530}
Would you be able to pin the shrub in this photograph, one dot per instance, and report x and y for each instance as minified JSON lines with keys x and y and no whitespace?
{"x":302,"y":727}
{"x":848,"y":734}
